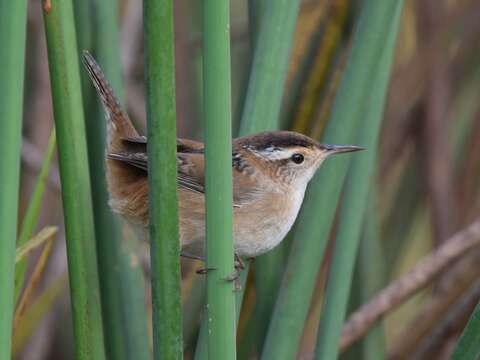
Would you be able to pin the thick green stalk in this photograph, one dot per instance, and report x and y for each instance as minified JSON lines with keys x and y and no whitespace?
{"x":162,"y":170}
{"x":13,"y":17}
{"x":107,"y":226}
{"x":355,"y":199}
{"x":121,"y":293}
{"x":311,"y":231}
{"x":132,"y":291}
{"x":265,"y":90}
{"x":83,"y":10}
{"x":74,"y":174}
{"x":107,"y":231}
{"x":269,"y":66}
{"x":368,"y":278}
{"x":371,"y":276}
{"x":218,"y":180}
{"x":468,"y":346}
{"x":31,"y":215}
{"x":84,"y":28}
{"x":256,"y":10}
{"x":268,"y":20}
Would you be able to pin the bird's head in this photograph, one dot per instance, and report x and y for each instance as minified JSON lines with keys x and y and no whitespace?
{"x":289,"y":157}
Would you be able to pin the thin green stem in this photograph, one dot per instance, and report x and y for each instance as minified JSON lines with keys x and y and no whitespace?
{"x":268,"y":20}
{"x":162,"y":169}
{"x":262,"y":104}
{"x":218,"y":180}
{"x":120,"y":288}
{"x":31,"y":215}
{"x":13,"y":17}
{"x":256,"y":10}
{"x":132,"y":292}
{"x":356,"y":196}
{"x":269,"y":65}
{"x":74,"y":174}
{"x":368,"y":278}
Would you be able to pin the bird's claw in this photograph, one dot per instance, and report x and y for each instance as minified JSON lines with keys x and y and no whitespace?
{"x":238,"y":263}
{"x":234,"y":277}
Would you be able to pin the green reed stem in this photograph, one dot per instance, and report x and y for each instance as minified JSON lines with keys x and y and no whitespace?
{"x":74,"y":174}
{"x":269,"y":65}
{"x":355,"y":199}
{"x":33,"y":211}
{"x":315,"y":219}
{"x":13,"y":17}
{"x":121,"y":293}
{"x":164,"y":240}
{"x":218,"y":180}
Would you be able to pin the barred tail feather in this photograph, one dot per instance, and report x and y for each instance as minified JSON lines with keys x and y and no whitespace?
{"x":118,"y":123}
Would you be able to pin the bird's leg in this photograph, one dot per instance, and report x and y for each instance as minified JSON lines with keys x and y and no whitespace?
{"x":234,"y":277}
{"x":239,"y":266}
{"x":238,"y":263}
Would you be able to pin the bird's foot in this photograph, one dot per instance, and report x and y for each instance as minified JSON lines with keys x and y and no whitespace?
{"x":238,"y":263}
{"x":235,"y":278}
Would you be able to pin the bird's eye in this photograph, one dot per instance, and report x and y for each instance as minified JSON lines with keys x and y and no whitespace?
{"x":297,"y":158}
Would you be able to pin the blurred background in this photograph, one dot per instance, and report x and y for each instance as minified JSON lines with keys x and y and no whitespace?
{"x":427,"y":173}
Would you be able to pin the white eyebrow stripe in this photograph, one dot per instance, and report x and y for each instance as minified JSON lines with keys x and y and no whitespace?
{"x":272,"y":153}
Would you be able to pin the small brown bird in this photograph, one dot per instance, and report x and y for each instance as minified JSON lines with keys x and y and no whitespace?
{"x":271,"y":171}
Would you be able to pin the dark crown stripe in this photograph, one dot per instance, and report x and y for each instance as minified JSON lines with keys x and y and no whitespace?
{"x":282,"y":139}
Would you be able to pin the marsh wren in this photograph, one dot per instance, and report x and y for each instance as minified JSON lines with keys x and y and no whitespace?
{"x":271,"y":171}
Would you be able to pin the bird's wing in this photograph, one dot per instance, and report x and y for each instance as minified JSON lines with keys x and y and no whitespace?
{"x":136,"y":159}
{"x":190,"y":168}
{"x":188,"y":176}
{"x":190,"y":171}
{"x":183,"y":145}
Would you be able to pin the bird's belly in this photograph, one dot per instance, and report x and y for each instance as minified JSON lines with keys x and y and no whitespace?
{"x":259,"y":232}
{"x":255,"y":232}
{"x":251,"y":240}
{"x":262,"y":237}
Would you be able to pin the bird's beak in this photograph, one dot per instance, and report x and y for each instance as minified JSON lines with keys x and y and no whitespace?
{"x":337,"y":149}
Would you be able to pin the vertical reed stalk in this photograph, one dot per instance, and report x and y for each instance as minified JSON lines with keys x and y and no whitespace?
{"x":123,"y":311}
{"x":33,"y":210}
{"x":256,"y":9}
{"x":311,"y":232}
{"x":268,"y":20}
{"x":368,"y":279}
{"x":162,"y":169}
{"x":355,"y":199}
{"x":218,"y":180}
{"x":77,"y":204}
{"x":13,"y":17}
{"x":269,"y":65}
